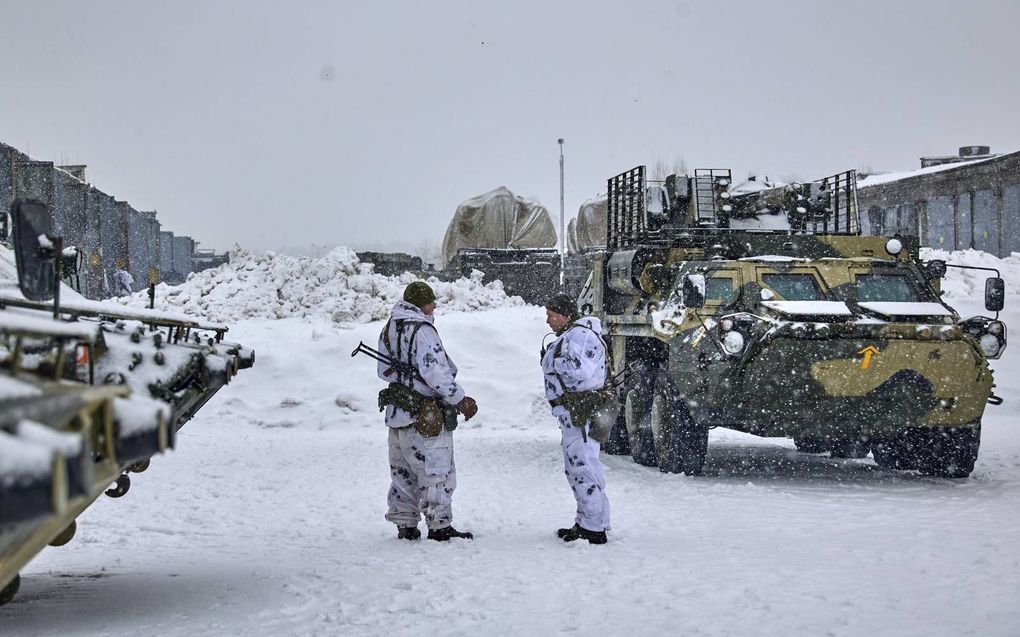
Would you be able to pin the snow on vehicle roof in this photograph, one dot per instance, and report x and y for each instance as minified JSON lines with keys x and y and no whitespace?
{"x":906,"y":308}
{"x":809,"y":308}
{"x":11,"y":388}
{"x":21,"y":459}
{"x":13,"y":321}
{"x":773,"y":257}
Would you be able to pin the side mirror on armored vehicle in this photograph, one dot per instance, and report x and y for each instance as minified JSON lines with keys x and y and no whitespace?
{"x":995,"y":294}
{"x":935,"y":269}
{"x":693,"y":291}
{"x":33,"y":250}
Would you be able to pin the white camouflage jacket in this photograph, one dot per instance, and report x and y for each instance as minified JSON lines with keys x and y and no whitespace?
{"x":575,"y":361}
{"x":427,"y":356}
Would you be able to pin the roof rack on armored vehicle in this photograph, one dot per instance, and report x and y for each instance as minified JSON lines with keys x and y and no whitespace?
{"x":692,"y":211}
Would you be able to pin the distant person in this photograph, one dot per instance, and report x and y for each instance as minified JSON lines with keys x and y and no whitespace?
{"x":420,"y":404}
{"x":574,"y":364}
{"x":122,"y":282}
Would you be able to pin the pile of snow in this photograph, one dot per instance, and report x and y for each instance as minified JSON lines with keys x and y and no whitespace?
{"x":959,"y":283}
{"x":337,"y":286}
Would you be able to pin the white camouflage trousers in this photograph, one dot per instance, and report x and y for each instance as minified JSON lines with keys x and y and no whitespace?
{"x":584,"y":473}
{"x":423,"y":478}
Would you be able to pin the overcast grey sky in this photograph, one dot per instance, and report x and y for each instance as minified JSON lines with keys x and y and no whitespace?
{"x":290,"y":123}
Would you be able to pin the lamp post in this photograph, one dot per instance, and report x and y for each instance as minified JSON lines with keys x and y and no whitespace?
{"x":563,"y":233}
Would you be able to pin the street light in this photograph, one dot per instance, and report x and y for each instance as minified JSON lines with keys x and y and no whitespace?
{"x":563,"y":233}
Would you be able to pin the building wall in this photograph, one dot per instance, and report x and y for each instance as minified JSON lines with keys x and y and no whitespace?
{"x":166,"y":256}
{"x":969,"y":206}
{"x":184,"y":247}
{"x":110,"y":233}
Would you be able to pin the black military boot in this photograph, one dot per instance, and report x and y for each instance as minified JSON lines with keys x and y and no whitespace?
{"x":562,"y":533}
{"x":408,"y":533}
{"x":447,"y":533}
{"x":580,"y":533}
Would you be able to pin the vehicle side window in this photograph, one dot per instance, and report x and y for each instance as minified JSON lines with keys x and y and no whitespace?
{"x":719,"y":290}
{"x":885,"y":287}
{"x":793,"y":287}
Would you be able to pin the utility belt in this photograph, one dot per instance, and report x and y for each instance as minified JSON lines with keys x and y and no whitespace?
{"x":597,"y":407}
{"x":430,"y":414}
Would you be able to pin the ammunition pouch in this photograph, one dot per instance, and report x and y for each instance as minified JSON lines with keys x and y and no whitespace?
{"x":401,"y":397}
{"x":598,"y":407}
{"x":430,"y":415}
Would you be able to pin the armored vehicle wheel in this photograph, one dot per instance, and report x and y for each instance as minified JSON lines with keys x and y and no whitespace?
{"x":65,"y":536}
{"x":894,"y":453}
{"x":637,"y":416}
{"x":9,"y":591}
{"x":950,"y":452}
{"x":944,"y":452}
{"x":680,"y":443}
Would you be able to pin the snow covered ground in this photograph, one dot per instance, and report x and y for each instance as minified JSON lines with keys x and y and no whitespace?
{"x":268,"y":519}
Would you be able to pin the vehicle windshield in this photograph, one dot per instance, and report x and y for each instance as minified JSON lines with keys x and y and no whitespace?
{"x":886,"y":287}
{"x":794,"y":287}
{"x":719,"y":290}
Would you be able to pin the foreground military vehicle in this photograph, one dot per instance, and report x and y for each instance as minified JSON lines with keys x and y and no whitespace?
{"x":88,"y":393}
{"x":770,"y":314}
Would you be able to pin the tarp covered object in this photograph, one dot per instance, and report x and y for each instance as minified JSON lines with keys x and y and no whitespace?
{"x":498,"y":219}
{"x":588,"y":230}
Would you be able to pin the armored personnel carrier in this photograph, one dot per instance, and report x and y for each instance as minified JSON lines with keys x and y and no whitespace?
{"x":89,"y":392}
{"x":771,"y":314}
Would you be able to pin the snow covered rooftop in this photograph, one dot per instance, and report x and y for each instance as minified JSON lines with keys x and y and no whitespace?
{"x":884,"y":178}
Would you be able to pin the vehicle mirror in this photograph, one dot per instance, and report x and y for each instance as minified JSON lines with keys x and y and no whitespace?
{"x":935,"y":269}
{"x":995,"y":294}
{"x":693,"y":291}
{"x":33,"y":252}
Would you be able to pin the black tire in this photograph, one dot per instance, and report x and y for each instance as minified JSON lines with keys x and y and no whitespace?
{"x":680,"y":443}
{"x":943,"y":452}
{"x":8,"y":592}
{"x":894,"y":453}
{"x":950,"y":452}
{"x":637,"y":416}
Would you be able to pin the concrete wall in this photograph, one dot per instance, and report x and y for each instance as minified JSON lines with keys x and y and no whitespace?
{"x":184,"y":247}
{"x":108,"y":232}
{"x":166,"y":256}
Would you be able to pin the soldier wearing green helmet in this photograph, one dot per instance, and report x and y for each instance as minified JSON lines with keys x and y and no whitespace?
{"x":421,"y":402}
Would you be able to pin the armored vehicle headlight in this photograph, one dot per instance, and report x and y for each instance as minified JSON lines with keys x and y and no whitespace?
{"x":893,"y":246}
{"x":989,"y":345}
{"x":733,"y":342}
{"x":995,"y":327}
{"x":726,"y":324}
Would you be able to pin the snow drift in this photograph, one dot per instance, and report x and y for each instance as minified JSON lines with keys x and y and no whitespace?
{"x":337,"y":286}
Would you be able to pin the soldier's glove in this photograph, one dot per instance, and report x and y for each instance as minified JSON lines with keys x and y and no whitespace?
{"x":468,"y":407}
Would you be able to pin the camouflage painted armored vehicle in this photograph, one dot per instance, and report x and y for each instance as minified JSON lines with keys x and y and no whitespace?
{"x":803,"y":329}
